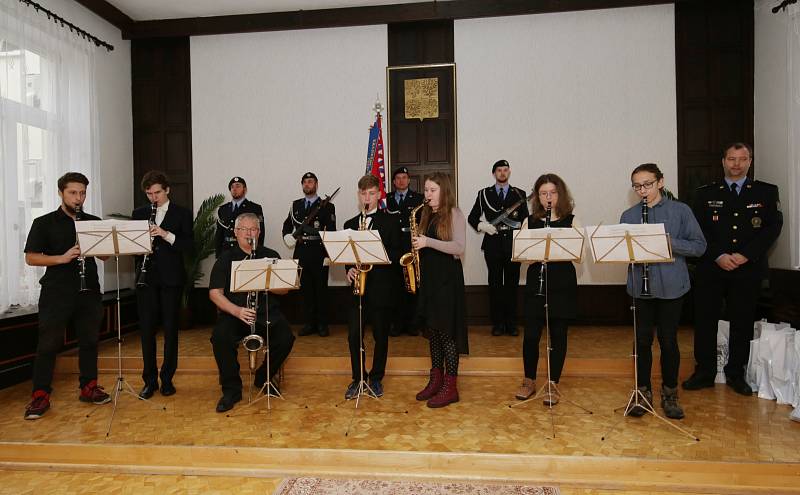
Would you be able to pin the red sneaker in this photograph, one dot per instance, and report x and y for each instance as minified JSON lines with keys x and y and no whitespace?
{"x":94,"y":394}
{"x":40,"y":403}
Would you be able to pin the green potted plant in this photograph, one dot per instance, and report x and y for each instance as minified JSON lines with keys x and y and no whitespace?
{"x":204,"y":229}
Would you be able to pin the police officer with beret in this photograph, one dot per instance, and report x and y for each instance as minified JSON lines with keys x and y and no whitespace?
{"x":741,"y":219}
{"x":227,"y":213}
{"x":400,"y":202}
{"x":497,"y":240}
{"x":308,"y":249}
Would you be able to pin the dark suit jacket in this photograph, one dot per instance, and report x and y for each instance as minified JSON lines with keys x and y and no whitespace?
{"x":488,"y":203}
{"x":166,"y":262}
{"x":309,"y":252}
{"x":382,"y":280}
{"x":403,"y":210}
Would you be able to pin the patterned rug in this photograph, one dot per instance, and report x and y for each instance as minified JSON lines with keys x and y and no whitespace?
{"x":319,"y":486}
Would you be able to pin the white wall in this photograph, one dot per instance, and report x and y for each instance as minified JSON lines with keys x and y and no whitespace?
{"x":113,"y":86}
{"x":771,"y":103}
{"x":587,"y":95}
{"x":271,"y":106}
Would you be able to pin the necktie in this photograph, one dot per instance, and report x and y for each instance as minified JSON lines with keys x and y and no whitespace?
{"x":308,"y":205}
{"x":402,"y":196}
{"x":234,"y":208}
{"x":502,"y":194}
{"x":734,"y":188}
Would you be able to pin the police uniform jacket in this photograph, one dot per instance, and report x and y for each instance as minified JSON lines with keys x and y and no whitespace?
{"x":489,"y":205}
{"x":382,"y":279}
{"x":747,"y":223}
{"x":225,"y":238}
{"x":309,"y":245}
{"x":411,"y":200}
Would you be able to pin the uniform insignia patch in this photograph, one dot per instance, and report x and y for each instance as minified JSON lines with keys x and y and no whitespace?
{"x":756,"y":221}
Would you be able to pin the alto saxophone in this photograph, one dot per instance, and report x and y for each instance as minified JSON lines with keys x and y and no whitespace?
{"x":252,"y":342}
{"x":410,"y":261}
{"x":360,"y":283}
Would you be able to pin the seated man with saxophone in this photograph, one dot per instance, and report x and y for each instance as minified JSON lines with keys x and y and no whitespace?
{"x":235,"y":317}
{"x":376,"y":285}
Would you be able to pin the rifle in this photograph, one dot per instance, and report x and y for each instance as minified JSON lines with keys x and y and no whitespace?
{"x":312,"y":215}
{"x":504,"y":217}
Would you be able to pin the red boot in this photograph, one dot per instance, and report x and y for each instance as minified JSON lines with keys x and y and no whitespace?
{"x":447,"y":394}
{"x":433,"y":386}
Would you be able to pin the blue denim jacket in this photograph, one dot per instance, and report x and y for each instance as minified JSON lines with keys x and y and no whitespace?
{"x":668,"y":280}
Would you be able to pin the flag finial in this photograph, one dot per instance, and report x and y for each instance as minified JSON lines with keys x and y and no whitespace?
{"x":378,"y":106}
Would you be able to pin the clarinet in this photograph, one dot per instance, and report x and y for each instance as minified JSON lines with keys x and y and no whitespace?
{"x":645,"y":268}
{"x":547,"y":214}
{"x":81,"y":258}
{"x":141,"y":280}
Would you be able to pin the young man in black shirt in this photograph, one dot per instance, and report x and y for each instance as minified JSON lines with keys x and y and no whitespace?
{"x":52,"y":243}
{"x":234,"y":317}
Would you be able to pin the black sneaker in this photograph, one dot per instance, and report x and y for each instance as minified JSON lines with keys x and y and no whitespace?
{"x":637,"y":410}
{"x":377,"y":388}
{"x":669,"y":403}
{"x":352,"y":391}
{"x":39,"y":404}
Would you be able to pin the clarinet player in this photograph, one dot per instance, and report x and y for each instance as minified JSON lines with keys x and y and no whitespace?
{"x":660,"y":310}
{"x":159,"y":290}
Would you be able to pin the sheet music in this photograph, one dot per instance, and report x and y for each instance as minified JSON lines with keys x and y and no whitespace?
{"x":262,"y":274}
{"x":566,"y":244}
{"x":649,"y":243}
{"x":112,"y":237}
{"x":367,"y":244}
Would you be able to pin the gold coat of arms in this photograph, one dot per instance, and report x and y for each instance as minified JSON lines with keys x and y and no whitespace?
{"x":422,"y":98}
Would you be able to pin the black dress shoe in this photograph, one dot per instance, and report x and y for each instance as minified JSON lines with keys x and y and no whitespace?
{"x":226,"y":403}
{"x":308,"y":330}
{"x":167,"y":389}
{"x":698,"y":381}
{"x":739,"y":385}
{"x":512,"y":330}
{"x":497,"y":330}
{"x":323,"y":331}
{"x":148,"y":390}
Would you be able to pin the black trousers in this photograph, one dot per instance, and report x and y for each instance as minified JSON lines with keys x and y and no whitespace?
{"x":405,"y":306}
{"x":558,"y":342}
{"x":503,"y":286}
{"x":314,"y":289}
{"x":661,"y":316}
{"x":740,"y":296}
{"x":379,"y":319}
{"x":225,"y":338}
{"x":158,"y":302}
{"x":58,"y":309}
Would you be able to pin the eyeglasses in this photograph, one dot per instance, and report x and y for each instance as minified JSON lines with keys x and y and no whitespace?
{"x":646,"y":186}
{"x":249,"y":230}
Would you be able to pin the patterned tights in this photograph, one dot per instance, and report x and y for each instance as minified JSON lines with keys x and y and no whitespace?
{"x":443,"y":349}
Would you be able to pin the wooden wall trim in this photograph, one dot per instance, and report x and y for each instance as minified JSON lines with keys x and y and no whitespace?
{"x":110,"y":13}
{"x":364,"y":16}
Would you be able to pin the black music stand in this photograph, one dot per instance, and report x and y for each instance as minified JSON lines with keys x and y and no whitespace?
{"x":634,"y":244}
{"x":545,"y":245}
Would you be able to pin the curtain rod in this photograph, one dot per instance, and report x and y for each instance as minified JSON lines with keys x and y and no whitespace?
{"x":66,"y":24}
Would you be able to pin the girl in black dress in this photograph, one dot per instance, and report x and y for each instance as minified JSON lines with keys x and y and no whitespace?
{"x":562,"y":289}
{"x":440,"y":307}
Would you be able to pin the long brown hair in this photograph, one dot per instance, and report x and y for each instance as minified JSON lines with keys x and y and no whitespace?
{"x":444,"y":215}
{"x":563,"y":207}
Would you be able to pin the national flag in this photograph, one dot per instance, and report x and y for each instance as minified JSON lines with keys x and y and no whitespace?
{"x":375,"y":163}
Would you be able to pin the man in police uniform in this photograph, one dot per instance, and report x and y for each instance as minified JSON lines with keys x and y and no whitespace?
{"x":227,"y":213}
{"x":400,"y":202}
{"x":308,"y":249}
{"x":497,"y":240}
{"x":741,"y":219}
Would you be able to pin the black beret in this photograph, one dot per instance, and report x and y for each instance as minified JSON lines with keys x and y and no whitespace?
{"x":499,"y":163}
{"x":401,"y":170}
{"x":308,"y":175}
{"x":236,"y":179}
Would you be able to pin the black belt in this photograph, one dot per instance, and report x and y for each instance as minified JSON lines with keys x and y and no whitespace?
{"x":503,"y":227}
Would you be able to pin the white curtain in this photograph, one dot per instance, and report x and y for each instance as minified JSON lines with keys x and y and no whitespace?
{"x":48,"y":120}
{"x":792,"y":200}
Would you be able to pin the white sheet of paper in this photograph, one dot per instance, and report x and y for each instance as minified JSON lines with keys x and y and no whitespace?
{"x":249,"y":275}
{"x":367,"y":243}
{"x":650,"y":243}
{"x":566,"y":244}
{"x":96,"y":237}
